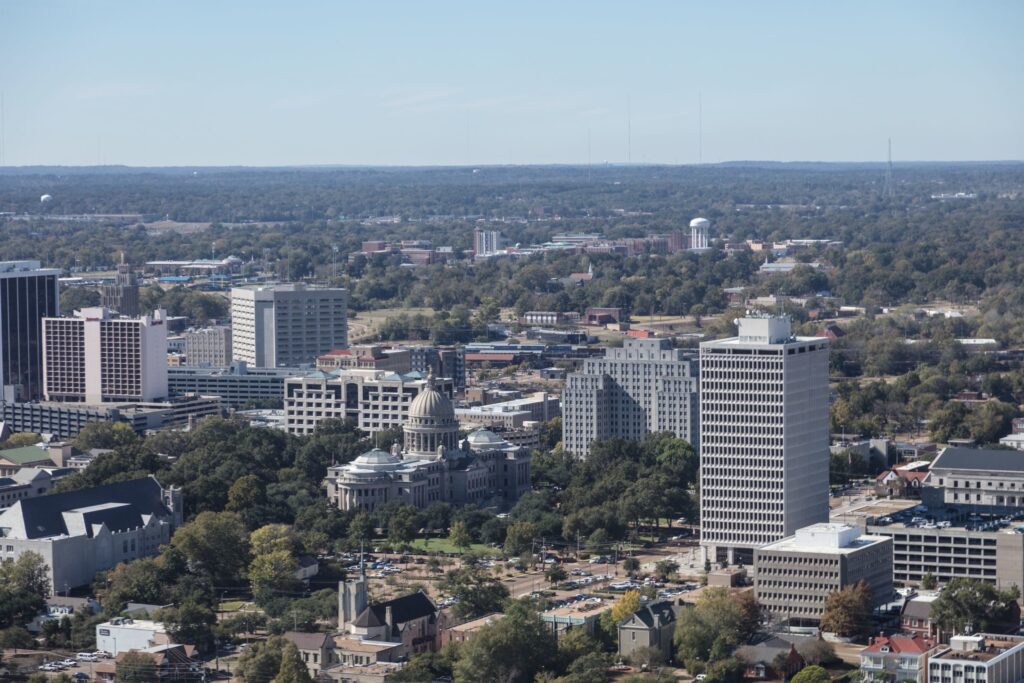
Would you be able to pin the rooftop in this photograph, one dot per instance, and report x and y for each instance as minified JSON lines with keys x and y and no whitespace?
{"x":470,"y":626}
{"x":826,"y":539}
{"x":24,"y":455}
{"x":979,"y":459}
{"x":582,"y":609}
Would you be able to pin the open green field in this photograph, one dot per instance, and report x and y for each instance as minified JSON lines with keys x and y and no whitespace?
{"x":443,"y":545}
{"x":364,"y":326}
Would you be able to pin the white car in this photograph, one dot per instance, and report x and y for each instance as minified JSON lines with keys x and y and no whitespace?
{"x":86,"y":657}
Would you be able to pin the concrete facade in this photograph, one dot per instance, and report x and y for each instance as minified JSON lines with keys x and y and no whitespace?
{"x":644,"y":387}
{"x":287,"y":325}
{"x":375,"y":399}
{"x":764,"y":446}
{"x":97,"y":358}
{"x":208,"y":347}
{"x":980,"y":658}
{"x":794,"y":576}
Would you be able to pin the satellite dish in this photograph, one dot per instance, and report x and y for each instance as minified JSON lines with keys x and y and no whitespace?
{"x":45,"y":198}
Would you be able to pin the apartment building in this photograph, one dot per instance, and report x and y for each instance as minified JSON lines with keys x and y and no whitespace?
{"x":28,"y":293}
{"x":95,"y":357}
{"x":644,"y":387}
{"x":208,"y":347}
{"x":794,"y":576}
{"x":375,"y":399}
{"x":287,"y":325}
{"x":764,"y":445}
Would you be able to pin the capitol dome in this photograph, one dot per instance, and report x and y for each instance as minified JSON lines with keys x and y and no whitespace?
{"x":431,"y":404}
{"x":484,"y":439}
{"x":376,"y":460}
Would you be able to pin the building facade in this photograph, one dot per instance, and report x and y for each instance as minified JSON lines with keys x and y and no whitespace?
{"x":375,"y":399}
{"x":644,"y":387}
{"x":980,"y":658}
{"x":764,"y":447}
{"x":123,"y":295}
{"x":81,"y":533}
{"x":985,"y":480}
{"x":209,"y":347}
{"x":794,"y":576}
{"x":896,"y":658}
{"x":287,"y":325}
{"x":97,"y":358}
{"x":372,"y":357}
{"x":433,"y":466}
{"x":28,"y":293}
{"x":236,"y":385}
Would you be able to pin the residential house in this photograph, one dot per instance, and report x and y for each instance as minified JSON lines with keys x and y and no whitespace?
{"x":774,"y":656}
{"x":916,"y":616}
{"x":650,"y":626}
{"x":169,"y":663}
{"x":896,"y":658}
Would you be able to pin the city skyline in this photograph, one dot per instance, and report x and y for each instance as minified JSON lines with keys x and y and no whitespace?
{"x":457,"y":84}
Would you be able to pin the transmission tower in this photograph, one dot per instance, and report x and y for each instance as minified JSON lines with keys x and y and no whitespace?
{"x":889,"y":189}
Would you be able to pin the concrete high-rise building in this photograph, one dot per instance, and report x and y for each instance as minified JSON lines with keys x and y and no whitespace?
{"x":28,"y":293}
{"x":123,"y":295}
{"x":486,"y":242}
{"x":764,"y":436}
{"x":96,"y":358}
{"x":287,"y":325}
{"x":209,"y":347}
{"x":646,"y":386}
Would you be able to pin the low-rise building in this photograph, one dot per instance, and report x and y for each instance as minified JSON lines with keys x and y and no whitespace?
{"x":80,"y":533}
{"x":171,"y":662}
{"x":988,"y":480}
{"x":980,"y":658}
{"x":27,"y":482}
{"x":896,"y":658}
{"x":794,"y":576}
{"x":650,"y":626}
{"x":371,"y":357}
{"x":916,"y":616}
{"x":514,"y":414}
{"x":579,"y":614}
{"x":122,"y":634}
{"x":236,"y":385}
{"x":314,"y":649}
{"x":773,"y":656}
{"x":12,"y":460}
{"x":460,"y":633}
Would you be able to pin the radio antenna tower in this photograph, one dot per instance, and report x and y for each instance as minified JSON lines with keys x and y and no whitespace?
{"x":889,"y":190}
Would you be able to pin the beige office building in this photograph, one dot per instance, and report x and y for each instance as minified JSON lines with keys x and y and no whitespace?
{"x":642,"y":388}
{"x":794,"y":576}
{"x":375,"y":399}
{"x":96,"y":358}
{"x":764,"y":444}
{"x":287,"y":325}
{"x":208,"y":347}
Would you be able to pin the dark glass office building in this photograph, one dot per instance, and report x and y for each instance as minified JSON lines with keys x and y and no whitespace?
{"x":28,"y":293}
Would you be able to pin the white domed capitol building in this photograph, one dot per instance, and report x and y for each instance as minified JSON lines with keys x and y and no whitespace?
{"x":433,"y":466}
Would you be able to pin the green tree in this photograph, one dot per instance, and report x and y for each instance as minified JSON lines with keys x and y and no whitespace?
{"x":271,"y":538}
{"x":135,"y":667}
{"x":811,"y":674}
{"x":215,"y":543}
{"x":817,"y":651}
{"x":975,"y":604}
{"x":292,"y":670}
{"x":24,"y":586}
{"x":75,"y":298}
{"x":631,"y":565}
{"x":711,"y":629}
{"x":403,"y":524}
{"x":477,"y":591}
{"x":727,"y":670}
{"x":272,"y":573}
{"x":513,"y":649}
{"x":929,"y":582}
{"x":555,"y":573}
{"x":459,"y":535}
{"x":191,"y":623}
{"x":665,"y":568}
{"x":519,"y":538}
{"x":262,"y":661}
{"x":105,"y":435}
{"x":847,"y":612}
{"x":360,"y":530}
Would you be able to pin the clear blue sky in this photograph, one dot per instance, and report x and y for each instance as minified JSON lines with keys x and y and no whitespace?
{"x":432,"y":82}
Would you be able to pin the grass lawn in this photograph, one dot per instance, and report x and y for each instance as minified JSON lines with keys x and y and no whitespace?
{"x":443,"y":545}
{"x":233,"y":605}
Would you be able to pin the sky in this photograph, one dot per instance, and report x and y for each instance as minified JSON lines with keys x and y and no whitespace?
{"x":431,"y":82}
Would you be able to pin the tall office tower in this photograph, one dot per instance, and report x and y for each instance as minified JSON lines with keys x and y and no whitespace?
{"x":486,"y":241}
{"x":764,"y":437}
{"x":644,"y":387}
{"x":123,"y":295}
{"x":287,"y":325}
{"x":209,"y":347}
{"x":96,"y":358}
{"x":28,"y":293}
